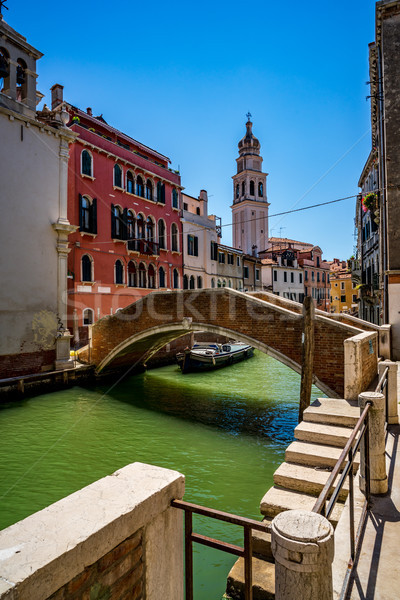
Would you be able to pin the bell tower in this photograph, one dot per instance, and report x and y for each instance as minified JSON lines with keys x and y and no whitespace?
{"x":250,"y":205}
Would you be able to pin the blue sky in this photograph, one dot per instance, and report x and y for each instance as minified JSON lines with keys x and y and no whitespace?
{"x":180,"y":77}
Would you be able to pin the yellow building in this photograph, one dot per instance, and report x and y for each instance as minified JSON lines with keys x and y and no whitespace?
{"x":344,"y":296}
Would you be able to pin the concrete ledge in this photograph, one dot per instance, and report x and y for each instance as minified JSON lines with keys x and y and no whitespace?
{"x":46,"y":550}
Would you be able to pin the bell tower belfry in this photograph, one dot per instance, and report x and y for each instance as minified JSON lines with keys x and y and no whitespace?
{"x":250,"y":205}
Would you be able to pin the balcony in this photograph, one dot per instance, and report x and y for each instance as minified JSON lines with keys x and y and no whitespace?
{"x":146,"y":247}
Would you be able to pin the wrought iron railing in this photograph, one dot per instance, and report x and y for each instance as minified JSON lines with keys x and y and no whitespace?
{"x":246,"y":552}
{"x":381,"y":388}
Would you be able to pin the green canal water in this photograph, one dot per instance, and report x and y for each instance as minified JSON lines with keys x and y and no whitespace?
{"x":226,"y":431}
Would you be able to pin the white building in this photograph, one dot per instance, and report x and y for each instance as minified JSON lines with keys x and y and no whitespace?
{"x":34,"y":227}
{"x":282,"y":275}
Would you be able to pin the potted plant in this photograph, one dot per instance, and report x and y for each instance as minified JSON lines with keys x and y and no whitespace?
{"x":370,"y":201}
{"x":75,"y":120}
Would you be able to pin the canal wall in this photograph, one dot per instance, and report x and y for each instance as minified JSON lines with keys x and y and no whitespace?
{"x":116,"y":538}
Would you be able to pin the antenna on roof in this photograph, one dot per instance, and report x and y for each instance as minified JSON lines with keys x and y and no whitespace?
{"x":3,"y":5}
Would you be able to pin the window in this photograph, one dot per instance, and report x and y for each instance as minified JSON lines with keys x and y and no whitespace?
{"x":214,"y":251}
{"x":237,"y":190}
{"x":139,"y":186}
{"x":246,"y":272}
{"x":198,"y":210}
{"x":230,"y":259}
{"x":21,"y":88}
{"x":284,"y":276}
{"x":86,"y":163}
{"x":251,"y":188}
{"x":161,"y":277}
{"x":149,"y":190}
{"x":199,"y":282}
{"x":132,"y":277}
{"x":130,"y":185}
{"x":238,"y":261}
{"x":185,"y":206}
{"x":174,"y":237}
{"x":317,"y":261}
{"x":305,"y":275}
{"x":88,"y":316}
{"x":175,"y":203}
{"x":257,"y":274}
{"x":328,"y":277}
{"x":212,"y":282}
{"x":87,"y":214}
{"x":300,"y":277}
{"x":185,"y":282}
{"x":243,"y":188}
{"x":318,"y":277}
{"x":292,"y":277}
{"x":191,"y":282}
{"x":5,"y":68}
{"x":161,"y":192}
{"x":221,"y":257}
{"x":323,"y":277}
{"x":354,"y":297}
{"x":275,"y":275}
{"x":117,"y":176}
{"x":342,"y":285}
{"x":192,"y":245}
{"x":176,"y":279}
{"x":312,"y":275}
{"x":260,"y":189}
{"x":342,"y":298}
{"x":130,"y":226}
{"x":161,"y":234}
{"x":150,"y":229}
{"x":116,"y":223}
{"x":119,"y":272}
{"x":142,"y":276}
{"x":229,"y":283}
{"x":152,"y":277}
{"x":86,"y":268}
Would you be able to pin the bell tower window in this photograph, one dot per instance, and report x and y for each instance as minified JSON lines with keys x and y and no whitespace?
{"x":243,"y":188}
{"x":260,"y":189}
{"x":4,"y":70}
{"x":251,"y":188}
{"x":21,"y":81}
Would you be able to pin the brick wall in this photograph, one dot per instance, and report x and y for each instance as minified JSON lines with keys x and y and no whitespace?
{"x":118,"y":576}
{"x":14,"y":365}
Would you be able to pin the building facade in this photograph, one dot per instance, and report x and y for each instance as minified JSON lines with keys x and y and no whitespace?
{"x":282,"y":274}
{"x":250,"y":205}
{"x":229,"y":264}
{"x":316,"y":277}
{"x":200,"y":237}
{"x":34,"y":229}
{"x":344,"y":290}
{"x":125,"y":203}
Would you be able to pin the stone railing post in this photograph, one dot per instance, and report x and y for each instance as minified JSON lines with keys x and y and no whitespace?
{"x":376,"y":437}
{"x":303,"y":548}
{"x":392,"y":416}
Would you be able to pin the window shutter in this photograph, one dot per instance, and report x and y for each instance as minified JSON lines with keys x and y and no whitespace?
{"x":196,"y":245}
{"x":93,"y":214}
{"x":124,"y":232}
{"x":80,"y":212}
{"x":112,"y":222}
{"x":188,"y":244}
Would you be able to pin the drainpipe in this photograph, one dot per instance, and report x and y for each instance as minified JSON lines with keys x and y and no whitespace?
{"x":382,"y":185}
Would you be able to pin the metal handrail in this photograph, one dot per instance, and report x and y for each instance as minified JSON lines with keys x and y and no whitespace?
{"x":381,"y":388}
{"x":246,"y":552}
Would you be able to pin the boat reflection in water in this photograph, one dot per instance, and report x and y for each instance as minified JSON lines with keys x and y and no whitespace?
{"x":207,"y":356}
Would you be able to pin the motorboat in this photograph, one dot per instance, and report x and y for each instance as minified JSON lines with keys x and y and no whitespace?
{"x":207,"y":356}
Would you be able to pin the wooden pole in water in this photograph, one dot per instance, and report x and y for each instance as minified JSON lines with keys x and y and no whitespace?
{"x":307,"y":339}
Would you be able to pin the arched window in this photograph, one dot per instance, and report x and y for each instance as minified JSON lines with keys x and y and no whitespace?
{"x":139,"y":186}
{"x":176,"y":279}
{"x":119,"y":272}
{"x":150,"y":229}
{"x":191,"y":282}
{"x":185,"y":282}
{"x":175,"y":199}
{"x":152,"y":277}
{"x":161,"y":277}
{"x":251,"y":188}
{"x":132,"y":278}
{"x":243,"y":188}
{"x":116,"y":222}
{"x":230,"y":283}
{"x":130,"y":225}
{"x":85,"y":214}
{"x":21,"y":81}
{"x":161,"y":234}
{"x":4,"y":70}
{"x":86,"y":268}
{"x":219,"y":283}
{"x":174,"y":237}
{"x":149,"y":190}
{"x":117,"y":176}
{"x":199,"y":282}
{"x":260,"y":189}
{"x":161,"y":192}
{"x":142,"y":276}
{"x":88,"y":316}
{"x":224,"y":283}
{"x":86,"y":163}
{"x":130,"y":184}
{"x":237,"y":190}
{"x":140,"y":227}
{"x":213,"y":282}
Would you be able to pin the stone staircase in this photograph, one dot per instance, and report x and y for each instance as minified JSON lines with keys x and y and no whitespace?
{"x":319,"y":439}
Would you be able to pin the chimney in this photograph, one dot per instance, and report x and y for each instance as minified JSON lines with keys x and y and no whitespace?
{"x":89,"y":111}
{"x":204,"y":197}
{"x":56,"y":95}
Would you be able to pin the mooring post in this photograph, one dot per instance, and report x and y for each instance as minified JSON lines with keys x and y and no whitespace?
{"x":376,"y":444}
{"x":307,"y":360}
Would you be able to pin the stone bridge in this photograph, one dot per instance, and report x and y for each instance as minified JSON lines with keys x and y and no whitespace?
{"x":267,"y":322}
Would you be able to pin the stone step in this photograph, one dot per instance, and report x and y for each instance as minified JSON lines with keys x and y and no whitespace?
{"x":263,"y":574}
{"x":333,"y":411}
{"x":262,"y":543}
{"x":315,"y":455}
{"x":306,"y":479}
{"x":276,"y":500}
{"x":329,"y":435}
